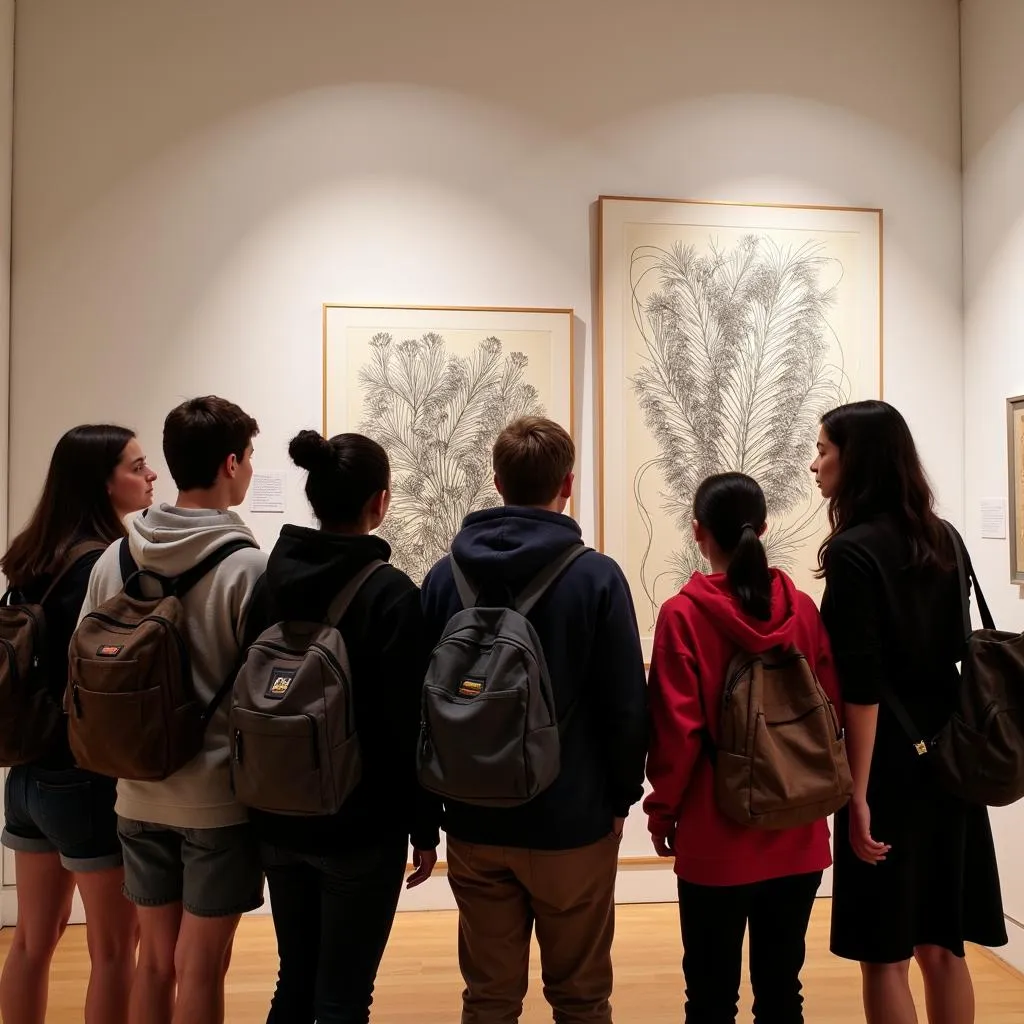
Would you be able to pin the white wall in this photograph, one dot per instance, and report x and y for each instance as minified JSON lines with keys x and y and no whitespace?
{"x":993,"y":121}
{"x":193,"y":181}
{"x":6,"y":168}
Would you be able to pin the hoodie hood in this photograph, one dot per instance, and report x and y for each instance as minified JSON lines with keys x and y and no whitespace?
{"x":715,"y":599}
{"x":170,"y":540}
{"x":308,"y":567}
{"x":509,"y":546}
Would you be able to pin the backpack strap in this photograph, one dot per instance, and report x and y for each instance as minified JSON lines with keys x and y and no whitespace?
{"x":467,"y":592}
{"x":532,"y":592}
{"x":540,"y":584}
{"x":187,"y":580}
{"x":968,"y":579}
{"x":340,"y":605}
{"x":74,"y":554}
{"x":129,"y":567}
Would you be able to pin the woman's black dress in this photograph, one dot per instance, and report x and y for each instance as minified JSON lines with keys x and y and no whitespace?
{"x":899,"y":627}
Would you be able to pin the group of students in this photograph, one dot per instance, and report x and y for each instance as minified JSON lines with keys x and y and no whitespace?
{"x":166,"y":868}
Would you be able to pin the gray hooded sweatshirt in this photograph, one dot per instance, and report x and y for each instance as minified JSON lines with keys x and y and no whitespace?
{"x":169,"y":541}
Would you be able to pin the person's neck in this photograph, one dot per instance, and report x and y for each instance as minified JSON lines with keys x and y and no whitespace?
{"x":347,"y":530}
{"x":216,"y":498}
{"x":557,"y":506}
{"x":719,"y":564}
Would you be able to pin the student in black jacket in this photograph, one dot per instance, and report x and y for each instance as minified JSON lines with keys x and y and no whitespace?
{"x":551,"y":862}
{"x":335,"y":880}
{"x":60,"y":819}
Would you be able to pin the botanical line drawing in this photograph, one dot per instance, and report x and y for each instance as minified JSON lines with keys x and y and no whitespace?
{"x":437,"y":414}
{"x":739,"y":362}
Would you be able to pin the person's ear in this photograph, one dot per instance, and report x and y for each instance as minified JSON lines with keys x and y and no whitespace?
{"x":566,"y":491}
{"x":230,"y":466}
{"x":497,"y":485}
{"x":762,"y":529}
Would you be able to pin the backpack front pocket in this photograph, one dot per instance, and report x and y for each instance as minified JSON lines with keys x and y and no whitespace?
{"x":276,"y":762}
{"x":473,"y":748}
{"x":120,"y":734}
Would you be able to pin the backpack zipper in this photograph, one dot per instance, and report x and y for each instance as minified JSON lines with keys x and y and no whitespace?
{"x":166,"y":623}
{"x":13,"y":661}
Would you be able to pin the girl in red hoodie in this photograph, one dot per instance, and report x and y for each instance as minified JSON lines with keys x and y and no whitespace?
{"x":730,"y":876}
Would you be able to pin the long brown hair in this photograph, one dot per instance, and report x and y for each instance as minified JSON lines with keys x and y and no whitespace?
{"x":74,"y":505}
{"x":880,"y":473}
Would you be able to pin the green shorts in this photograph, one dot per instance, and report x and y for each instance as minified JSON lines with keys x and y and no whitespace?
{"x":212,"y":872}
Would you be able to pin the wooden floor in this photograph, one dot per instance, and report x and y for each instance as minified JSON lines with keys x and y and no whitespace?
{"x":419,"y":981}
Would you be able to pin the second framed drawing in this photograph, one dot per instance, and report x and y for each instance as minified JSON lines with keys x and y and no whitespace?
{"x":435,"y":386}
{"x":726,"y":332}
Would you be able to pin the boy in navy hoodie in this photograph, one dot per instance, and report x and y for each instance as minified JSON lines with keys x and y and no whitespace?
{"x":551,"y":862}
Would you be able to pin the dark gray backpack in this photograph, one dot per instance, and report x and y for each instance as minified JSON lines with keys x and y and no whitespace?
{"x":489,"y":733}
{"x":294,"y":748}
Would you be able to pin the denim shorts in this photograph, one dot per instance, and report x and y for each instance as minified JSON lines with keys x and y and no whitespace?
{"x":212,"y":872}
{"x":66,"y":811}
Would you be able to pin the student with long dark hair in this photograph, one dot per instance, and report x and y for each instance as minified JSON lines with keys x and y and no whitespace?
{"x":60,"y":820}
{"x":335,"y":879}
{"x":731,"y":877}
{"x":915,"y":873}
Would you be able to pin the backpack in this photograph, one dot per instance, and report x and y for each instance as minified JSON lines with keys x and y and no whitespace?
{"x":30,"y":719}
{"x":978,"y":755}
{"x":489,"y":732}
{"x":294,"y":747}
{"x":132,"y":708}
{"x":780,"y":761}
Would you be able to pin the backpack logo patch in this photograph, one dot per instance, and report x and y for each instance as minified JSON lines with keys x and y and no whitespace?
{"x":470,"y":688}
{"x":280,"y":681}
{"x":109,"y":650}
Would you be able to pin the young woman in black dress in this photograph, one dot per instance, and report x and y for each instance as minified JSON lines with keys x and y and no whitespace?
{"x":915,"y":869}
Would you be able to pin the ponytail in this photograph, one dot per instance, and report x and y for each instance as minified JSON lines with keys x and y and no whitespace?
{"x":731,"y":507}
{"x":748,"y":575}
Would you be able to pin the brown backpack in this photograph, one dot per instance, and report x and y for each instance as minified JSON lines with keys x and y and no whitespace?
{"x":30,"y":718}
{"x":978,"y":755}
{"x":780,"y":760}
{"x":132,"y":708}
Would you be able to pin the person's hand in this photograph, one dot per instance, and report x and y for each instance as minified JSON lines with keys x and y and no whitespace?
{"x":618,"y":824}
{"x":423,"y":862}
{"x":663,"y":845}
{"x":864,"y":846}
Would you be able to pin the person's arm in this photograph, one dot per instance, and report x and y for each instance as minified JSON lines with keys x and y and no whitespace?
{"x":617,"y":662}
{"x":677,"y":724}
{"x":857,"y":639}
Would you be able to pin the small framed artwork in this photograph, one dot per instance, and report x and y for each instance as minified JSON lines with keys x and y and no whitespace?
{"x":435,"y":385}
{"x":726,"y":332}
{"x":1015,"y":460}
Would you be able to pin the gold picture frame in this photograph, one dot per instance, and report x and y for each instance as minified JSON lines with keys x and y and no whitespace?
{"x":659,"y":260}
{"x":470,"y":369}
{"x":1015,"y":493}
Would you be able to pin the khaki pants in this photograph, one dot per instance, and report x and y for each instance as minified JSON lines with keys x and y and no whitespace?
{"x":569,"y":895}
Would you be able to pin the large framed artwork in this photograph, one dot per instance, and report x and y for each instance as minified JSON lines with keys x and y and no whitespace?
{"x":435,"y":385}
{"x":726,"y":332}
{"x":1015,"y":459}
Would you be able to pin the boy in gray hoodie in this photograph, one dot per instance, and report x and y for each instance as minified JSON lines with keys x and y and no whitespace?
{"x":192,"y":866}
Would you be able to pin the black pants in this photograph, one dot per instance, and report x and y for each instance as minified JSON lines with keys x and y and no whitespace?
{"x":333,"y":916}
{"x":714,"y":920}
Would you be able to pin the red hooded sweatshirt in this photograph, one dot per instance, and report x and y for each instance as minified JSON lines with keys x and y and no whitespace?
{"x":698,"y":632}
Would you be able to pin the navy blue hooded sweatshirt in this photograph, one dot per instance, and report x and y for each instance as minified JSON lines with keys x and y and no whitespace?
{"x":587,"y":628}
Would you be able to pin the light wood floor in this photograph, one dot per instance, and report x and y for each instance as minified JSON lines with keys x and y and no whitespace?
{"x":419,"y":981}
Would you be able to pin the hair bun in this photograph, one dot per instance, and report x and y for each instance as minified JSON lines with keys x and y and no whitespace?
{"x":309,"y":450}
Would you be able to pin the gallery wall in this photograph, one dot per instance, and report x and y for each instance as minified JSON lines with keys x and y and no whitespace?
{"x":993,"y":122}
{"x":193,"y":181}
